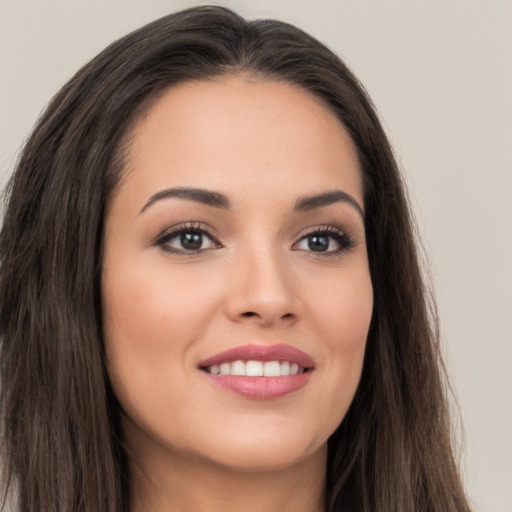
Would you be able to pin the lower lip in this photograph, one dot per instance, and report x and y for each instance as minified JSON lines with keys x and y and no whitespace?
{"x":260,"y":388}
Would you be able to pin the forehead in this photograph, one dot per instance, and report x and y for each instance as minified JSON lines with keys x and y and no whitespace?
{"x":236,"y":133}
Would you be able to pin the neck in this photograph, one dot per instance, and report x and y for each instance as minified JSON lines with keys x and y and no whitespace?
{"x":173,"y":483}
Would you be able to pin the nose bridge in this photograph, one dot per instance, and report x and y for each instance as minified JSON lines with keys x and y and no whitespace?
{"x":262,"y":284}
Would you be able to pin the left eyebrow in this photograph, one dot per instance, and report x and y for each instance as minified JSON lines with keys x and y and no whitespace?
{"x":306,"y":203}
{"x":199,"y":195}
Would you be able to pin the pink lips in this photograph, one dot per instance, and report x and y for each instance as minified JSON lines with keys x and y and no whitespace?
{"x":261,"y":388}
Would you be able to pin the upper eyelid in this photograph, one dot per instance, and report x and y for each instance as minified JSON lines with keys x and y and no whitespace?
{"x":343,"y":236}
{"x":327,"y":228}
{"x":188,"y":226}
{"x":323,"y":228}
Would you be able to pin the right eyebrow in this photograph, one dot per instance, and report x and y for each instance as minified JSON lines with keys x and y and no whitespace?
{"x":307,"y":203}
{"x":199,"y":195}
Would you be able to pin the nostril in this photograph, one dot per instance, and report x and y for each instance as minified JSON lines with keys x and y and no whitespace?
{"x":253,"y":314}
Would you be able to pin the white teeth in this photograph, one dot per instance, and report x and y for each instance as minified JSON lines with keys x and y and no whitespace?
{"x":285,"y":368}
{"x":272,"y":369}
{"x":256,"y":368}
{"x":225,"y":369}
{"x":237,"y":368}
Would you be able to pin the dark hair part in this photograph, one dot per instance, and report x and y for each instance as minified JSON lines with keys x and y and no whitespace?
{"x":62,"y":444}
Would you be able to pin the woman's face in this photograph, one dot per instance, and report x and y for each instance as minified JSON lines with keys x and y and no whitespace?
{"x":236,"y":235}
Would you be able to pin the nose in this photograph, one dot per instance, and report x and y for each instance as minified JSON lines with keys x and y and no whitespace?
{"x":263,"y":290}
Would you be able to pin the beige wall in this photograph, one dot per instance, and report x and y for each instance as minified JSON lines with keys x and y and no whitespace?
{"x":440,"y":73}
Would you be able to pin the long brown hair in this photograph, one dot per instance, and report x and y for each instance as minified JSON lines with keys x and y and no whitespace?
{"x":61,"y":442}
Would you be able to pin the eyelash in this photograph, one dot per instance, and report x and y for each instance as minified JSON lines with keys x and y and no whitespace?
{"x":183,"y":229}
{"x":344,"y":241}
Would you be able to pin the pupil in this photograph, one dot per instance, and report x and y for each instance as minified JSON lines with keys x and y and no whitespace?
{"x":318,"y":243}
{"x":191,"y":240}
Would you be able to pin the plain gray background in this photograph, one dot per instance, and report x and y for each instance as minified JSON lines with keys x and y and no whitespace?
{"x":440,"y":73}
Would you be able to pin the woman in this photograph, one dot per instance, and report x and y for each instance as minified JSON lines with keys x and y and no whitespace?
{"x":210,"y":293}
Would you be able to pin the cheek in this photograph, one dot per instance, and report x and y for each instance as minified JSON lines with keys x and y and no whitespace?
{"x":151,"y":319}
{"x":350,"y":316}
{"x":148,"y":306}
{"x":342,"y":315}
{"x":342,"y":308}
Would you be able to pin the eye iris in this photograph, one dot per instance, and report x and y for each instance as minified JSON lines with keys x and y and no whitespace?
{"x":318,"y":243}
{"x":191,"y":240}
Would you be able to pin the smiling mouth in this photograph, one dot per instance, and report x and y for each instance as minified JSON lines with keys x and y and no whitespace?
{"x":259,"y":372}
{"x":256,"y":368}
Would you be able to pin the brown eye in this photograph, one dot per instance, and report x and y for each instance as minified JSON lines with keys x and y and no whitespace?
{"x":191,"y":241}
{"x":187,"y":240}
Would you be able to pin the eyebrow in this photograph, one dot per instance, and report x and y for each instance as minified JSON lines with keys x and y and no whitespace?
{"x":193,"y":194}
{"x":307,"y":203}
{"x":218,"y":200}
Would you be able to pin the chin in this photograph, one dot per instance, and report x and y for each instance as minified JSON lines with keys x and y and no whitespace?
{"x":262,"y":460}
{"x":263,"y":450}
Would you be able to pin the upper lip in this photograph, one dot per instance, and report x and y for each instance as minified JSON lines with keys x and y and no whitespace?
{"x":253,"y":352}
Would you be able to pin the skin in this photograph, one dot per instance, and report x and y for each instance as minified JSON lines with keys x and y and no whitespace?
{"x":264,"y":145}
